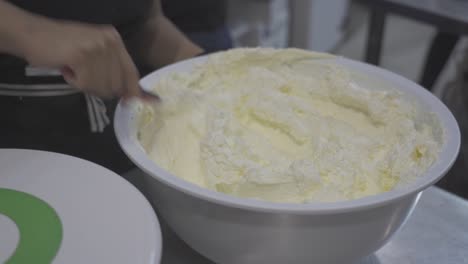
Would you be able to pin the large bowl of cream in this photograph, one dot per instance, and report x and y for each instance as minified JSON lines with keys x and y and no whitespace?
{"x":261,"y":155}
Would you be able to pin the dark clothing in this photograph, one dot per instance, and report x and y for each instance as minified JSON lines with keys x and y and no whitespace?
{"x":203,"y":21}
{"x":196,"y":16}
{"x":123,"y":14}
{"x":212,"y":41}
{"x":59,"y":124}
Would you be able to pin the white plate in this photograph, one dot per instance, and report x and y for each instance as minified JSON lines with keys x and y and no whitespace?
{"x":104,"y":218}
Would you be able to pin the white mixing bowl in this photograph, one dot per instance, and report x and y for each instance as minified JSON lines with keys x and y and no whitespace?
{"x":229,"y":229}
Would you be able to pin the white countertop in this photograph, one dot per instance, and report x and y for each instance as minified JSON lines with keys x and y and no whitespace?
{"x":437,"y":232}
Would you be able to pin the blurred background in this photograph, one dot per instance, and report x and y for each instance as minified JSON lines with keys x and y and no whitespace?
{"x":423,"y":40}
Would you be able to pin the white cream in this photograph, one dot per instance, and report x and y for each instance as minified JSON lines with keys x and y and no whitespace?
{"x":284,"y":126}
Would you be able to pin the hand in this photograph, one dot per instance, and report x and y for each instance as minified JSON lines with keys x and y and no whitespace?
{"x":92,"y":58}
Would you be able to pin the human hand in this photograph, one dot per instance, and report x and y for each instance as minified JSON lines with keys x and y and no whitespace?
{"x":92,"y":58}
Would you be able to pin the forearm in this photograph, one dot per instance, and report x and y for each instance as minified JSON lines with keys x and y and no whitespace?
{"x":159,"y":42}
{"x":171,"y":45}
{"x":92,"y":57}
{"x":15,"y":27}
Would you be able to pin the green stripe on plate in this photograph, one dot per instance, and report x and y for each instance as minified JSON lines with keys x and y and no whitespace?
{"x":39,"y":226}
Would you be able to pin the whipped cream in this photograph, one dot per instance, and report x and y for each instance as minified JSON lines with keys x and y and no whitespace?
{"x":284,"y":125}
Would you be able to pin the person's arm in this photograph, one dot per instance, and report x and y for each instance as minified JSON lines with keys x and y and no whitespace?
{"x":93,"y":57}
{"x":16,"y":25}
{"x":159,"y":42}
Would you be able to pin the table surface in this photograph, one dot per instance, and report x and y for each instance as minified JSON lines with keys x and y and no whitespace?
{"x":437,"y":232}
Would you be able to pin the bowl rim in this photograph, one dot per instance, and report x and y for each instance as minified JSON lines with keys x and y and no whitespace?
{"x":125,"y":115}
